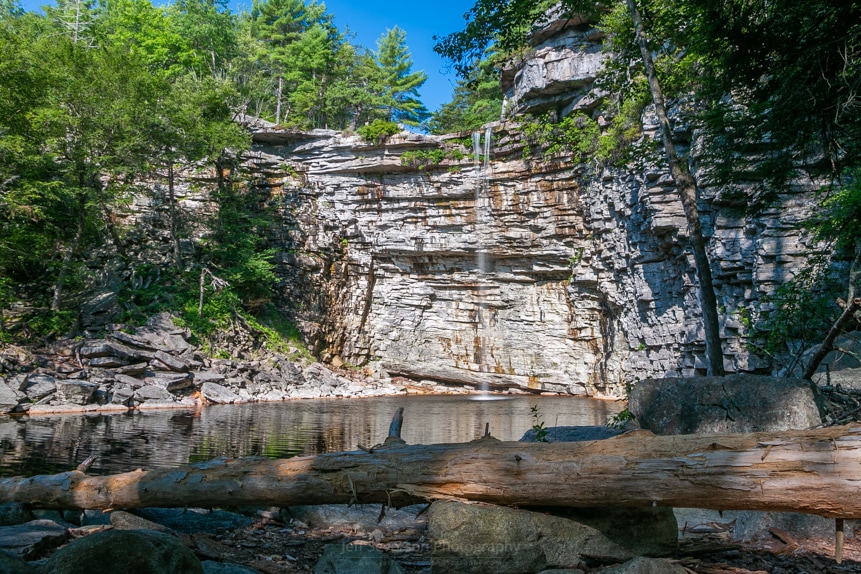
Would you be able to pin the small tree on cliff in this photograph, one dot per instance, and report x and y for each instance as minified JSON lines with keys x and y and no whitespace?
{"x":400,"y":85}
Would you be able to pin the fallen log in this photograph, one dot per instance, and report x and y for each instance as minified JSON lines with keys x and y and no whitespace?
{"x":814,"y":471}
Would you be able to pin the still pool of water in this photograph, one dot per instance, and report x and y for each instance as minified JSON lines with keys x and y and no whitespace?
{"x":158,"y":439}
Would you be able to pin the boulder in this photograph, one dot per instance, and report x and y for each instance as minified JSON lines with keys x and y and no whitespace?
{"x":8,"y":398}
{"x":152,"y":393}
{"x":734,"y":403}
{"x":642,"y":565}
{"x":11,"y":564}
{"x":215,"y":393}
{"x":573,"y":434}
{"x":194,"y":520}
{"x":355,"y":559}
{"x":122,"y":520}
{"x":643,"y":531}
{"x":76,"y":392}
{"x":12,"y":513}
{"x":212,"y":567}
{"x":170,"y":362}
{"x":842,"y":366}
{"x":124,"y":552}
{"x":121,"y":394}
{"x":488,"y":539}
{"x":361,"y":518}
{"x":30,"y":539}
{"x":37,"y":386}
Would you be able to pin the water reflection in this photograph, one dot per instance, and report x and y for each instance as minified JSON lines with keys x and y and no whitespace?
{"x":169,"y":438}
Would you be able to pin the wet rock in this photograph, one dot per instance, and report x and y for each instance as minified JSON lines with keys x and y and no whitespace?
{"x":735,"y":403}
{"x":355,"y":559}
{"x":11,"y":564}
{"x":76,"y":392}
{"x":215,"y":393}
{"x":13,"y":513}
{"x":478,"y":538}
{"x":124,"y":551}
{"x":642,"y":565}
{"x":8,"y":397}
{"x":31,"y":538}
{"x":37,"y":386}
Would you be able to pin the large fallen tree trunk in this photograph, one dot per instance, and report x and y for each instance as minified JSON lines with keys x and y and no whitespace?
{"x":816,"y":471}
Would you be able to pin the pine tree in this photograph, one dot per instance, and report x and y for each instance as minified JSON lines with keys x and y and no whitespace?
{"x":399,"y":83}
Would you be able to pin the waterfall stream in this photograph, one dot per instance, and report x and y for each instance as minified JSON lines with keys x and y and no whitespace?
{"x":483,"y":263}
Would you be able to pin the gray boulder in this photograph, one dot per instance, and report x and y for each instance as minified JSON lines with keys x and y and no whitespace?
{"x":355,"y":559}
{"x":642,"y":565}
{"x":32,"y":538}
{"x":573,"y":434}
{"x":76,"y":392}
{"x":361,"y":518}
{"x":124,"y":552}
{"x":12,"y":513}
{"x":735,"y":403}
{"x":37,"y":386}
{"x":215,"y":393}
{"x":8,"y":398}
{"x":643,"y":531}
{"x":487,"y":539}
{"x":152,"y":393}
{"x":213,"y":567}
{"x":11,"y":564}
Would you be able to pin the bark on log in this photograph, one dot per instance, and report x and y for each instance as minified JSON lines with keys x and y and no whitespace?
{"x":816,"y":471}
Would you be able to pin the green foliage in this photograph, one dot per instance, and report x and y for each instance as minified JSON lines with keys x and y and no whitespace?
{"x":538,"y":425}
{"x":622,"y":420}
{"x":424,"y":158}
{"x":476,"y":101}
{"x":577,"y":134}
{"x":378,"y":131}
{"x":400,"y":84}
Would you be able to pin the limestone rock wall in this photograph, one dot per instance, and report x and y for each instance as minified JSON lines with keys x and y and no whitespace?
{"x":559,"y":276}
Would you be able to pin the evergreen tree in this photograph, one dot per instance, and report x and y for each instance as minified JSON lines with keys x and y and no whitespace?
{"x":399,"y":83}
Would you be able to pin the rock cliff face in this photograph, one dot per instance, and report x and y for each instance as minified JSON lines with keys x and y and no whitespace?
{"x":489,"y":268}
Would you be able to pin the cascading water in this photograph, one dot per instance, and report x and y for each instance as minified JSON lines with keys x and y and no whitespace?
{"x":482,"y":261}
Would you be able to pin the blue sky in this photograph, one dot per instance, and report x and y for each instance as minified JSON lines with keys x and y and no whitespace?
{"x":369,"y":19}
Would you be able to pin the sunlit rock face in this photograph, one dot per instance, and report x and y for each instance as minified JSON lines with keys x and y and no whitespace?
{"x":544,"y":273}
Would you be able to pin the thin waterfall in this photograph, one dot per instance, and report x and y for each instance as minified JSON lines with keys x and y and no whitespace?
{"x":476,"y":149}
{"x":488,"y":136}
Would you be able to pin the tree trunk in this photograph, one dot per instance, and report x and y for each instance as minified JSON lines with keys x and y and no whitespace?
{"x":174,"y":236}
{"x":813,"y":471}
{"x":688,"y":192}
{"x":70,"y":253}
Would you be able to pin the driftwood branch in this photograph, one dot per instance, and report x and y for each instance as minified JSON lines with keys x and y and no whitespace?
{"x":832,"y":335}
{"x":815,"y":471}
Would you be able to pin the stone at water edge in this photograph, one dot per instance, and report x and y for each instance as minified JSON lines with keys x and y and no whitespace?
{"x":12,"y":513}
{"x":8,"y":398}
{"x":124,"y":552}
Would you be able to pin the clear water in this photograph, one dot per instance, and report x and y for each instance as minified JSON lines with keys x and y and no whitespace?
{"x":159,"y":439}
